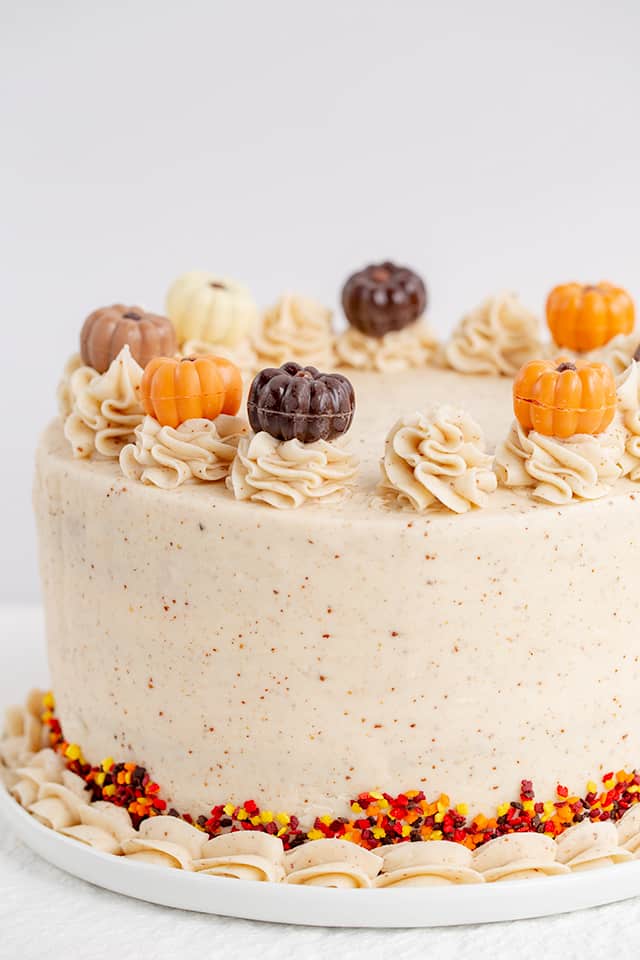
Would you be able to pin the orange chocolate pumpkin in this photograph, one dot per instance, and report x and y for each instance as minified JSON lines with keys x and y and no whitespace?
{"x":106,"y":331}
{"x":583,"y":318}
{"x":560,"y":398}
{"x":177,"y":390}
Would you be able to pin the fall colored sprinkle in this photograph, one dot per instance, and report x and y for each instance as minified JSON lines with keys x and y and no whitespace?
{"x":377,"y":818}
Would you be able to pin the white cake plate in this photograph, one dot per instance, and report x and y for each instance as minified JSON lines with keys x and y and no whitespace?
{"x":318,"y":906}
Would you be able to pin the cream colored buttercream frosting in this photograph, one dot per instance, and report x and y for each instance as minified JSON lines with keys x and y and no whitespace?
{"x":196,"y":450}
{"x":242,"y":353}
{"x":64,"y":393}
{"x":558,"y":470}
{"x":629,"y":403}
{"x":296,"y":328}
{"x":316,"y":653}
{"x":617,"y":353}
{"x":288,"y":473}
{"x":438,"y":458}
{"x":406,"y":349}
{"x":107,"y":407}
{"x":243,"y":856}
{"x":332,"y":863}
{"x":497,"y":337}
{"x":518,"y":856}
{"x":588,"y":845}
{"x":629,"y":830}
{"x":427,"y":864}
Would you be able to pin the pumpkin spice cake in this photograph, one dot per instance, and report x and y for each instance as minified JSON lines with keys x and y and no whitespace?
{"x":303,"y":619}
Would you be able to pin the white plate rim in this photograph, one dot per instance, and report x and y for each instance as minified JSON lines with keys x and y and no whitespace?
{"x":316,"y":906}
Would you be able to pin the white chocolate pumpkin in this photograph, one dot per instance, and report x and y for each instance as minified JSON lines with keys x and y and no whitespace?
{"x":204,"y":306}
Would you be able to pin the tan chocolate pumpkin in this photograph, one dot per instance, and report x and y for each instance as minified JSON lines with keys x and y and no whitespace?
{"x":106,"y":331}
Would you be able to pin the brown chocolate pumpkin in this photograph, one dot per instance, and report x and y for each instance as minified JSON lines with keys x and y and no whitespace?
{"x":294,"y":402}
{"x":106,"y":331}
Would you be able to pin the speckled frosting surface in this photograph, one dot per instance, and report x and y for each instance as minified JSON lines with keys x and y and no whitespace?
{"x":300,"y":657}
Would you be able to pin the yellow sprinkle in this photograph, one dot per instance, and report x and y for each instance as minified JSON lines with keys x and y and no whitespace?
{"x":549,"y":808}
{"x":242,"y":814}
{"x":436,"y":835}
{"x":439,"y":817}
{"x":609,"y":784}
{"x":266,"y":816}
{"x":282,"y":831}
{"x":228,"y":809}
{"x":462,"y":809}
{"x":255,"y":821}
{"x":356,"y":807}
{"x":378,"y":833}
{"x":502,"y":809}
{"x":73,"y":752}
{"x":315,"y":835}
{"x":100,"y":778}
{"x":326,"y":820}
{"x":592,"y":787}
{"x":283,"y":818}
{"x":406,"y":830}
{"x":376,"y":795}
{"x":109,"y":790}
{"x":48,"y":701}
{"x":528,"y":806}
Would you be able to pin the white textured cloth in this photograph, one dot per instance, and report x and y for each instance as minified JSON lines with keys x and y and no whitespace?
{"x":46,"y":913}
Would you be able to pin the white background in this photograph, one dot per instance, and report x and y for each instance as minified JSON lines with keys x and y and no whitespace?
{"x":491,"y":145}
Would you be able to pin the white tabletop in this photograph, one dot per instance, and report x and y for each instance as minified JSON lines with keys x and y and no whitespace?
{"x":44,"y":912}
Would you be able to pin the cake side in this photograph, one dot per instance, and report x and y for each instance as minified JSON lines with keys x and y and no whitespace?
{"x":301,"y":658}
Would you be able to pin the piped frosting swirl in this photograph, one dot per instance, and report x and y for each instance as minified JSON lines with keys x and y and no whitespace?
{"x":411,"y":347}
{"x":107,"y":407}
{"x":196,"y":450}
{"x":332,"y":863}
{"x":497,"y":337}
{"x":427,"y":864}
{"x":288,"y":473}
{"x":438,"y":458}
{"x":557,"y":470}
{"x":518,"y":856}
{"x":296,"y":328}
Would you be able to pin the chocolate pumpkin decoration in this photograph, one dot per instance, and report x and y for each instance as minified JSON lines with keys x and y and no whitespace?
{"x":584,"y":318}
{"x":383,"y":297}
{"x":106,"y":331}
{"x":177,"y":390}
{"x":293,"y":402}
{"x":562,"y":398}
{"x":205,"y":306}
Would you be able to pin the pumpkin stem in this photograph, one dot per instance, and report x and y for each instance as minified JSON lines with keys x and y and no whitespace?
{"x":217,"y":286}
{"x":380,"y":274}
{"x":132,"y":315}
{"x":567,"y":365}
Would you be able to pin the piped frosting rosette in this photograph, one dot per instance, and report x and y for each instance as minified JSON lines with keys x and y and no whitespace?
{"x":242,"y":353}
{"x":410,"y":348}
{"x":438,"y":459}
{"x":243,"y":855}
{"x":165,"y":841}
{"x":587,"y":845}
{"x":196,"y":450}
{"x":556,"y":469}
{"x":58,"y":805}
{"x":518,"y":856}
{"x":22,"y":736}
{"x":628,"y":389}
{"x":289,"y":473}
{"x":107,"y":407}
{"x":427,"y":864}
{"x":628,"y":828}
{"x":295,"y":328}
{"x":497,"y":337}
{"x":332,"y":863}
